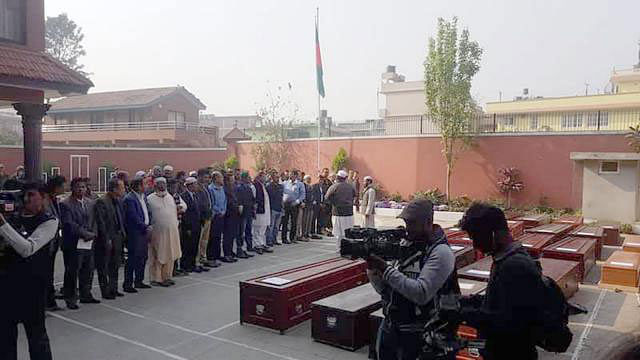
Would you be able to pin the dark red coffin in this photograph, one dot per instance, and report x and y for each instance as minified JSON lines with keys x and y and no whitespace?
{"x":454,"y":232}
{"x":281,"y":300}
{"x":611,"y":233}
{"x":591,"y":232}
{"x":580,"y":249}
{"x":342,"y":319}
{"x":516,"y":228}
{"x":569,"y":219}
{"x":464,"y":241}
{"x":534,"y":220}
{"x":559,"y":231}
{"x":564,"y":272}
{"x":465,"y":255}
{"x":471,"y":287}
{"x":535,"y":242}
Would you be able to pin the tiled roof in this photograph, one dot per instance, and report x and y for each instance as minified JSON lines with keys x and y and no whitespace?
{"x":38,"y":69}
{"x":119,"y":99}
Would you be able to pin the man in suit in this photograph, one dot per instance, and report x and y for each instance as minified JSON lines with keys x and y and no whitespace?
{"x":111,"y":234}
{"x":205,"y":202}
{"x":77,"y":242}
{"x":246,"y":202}
{"x":317,"y":195}
{"x":136,"y":224}
{"x":190,"y":227}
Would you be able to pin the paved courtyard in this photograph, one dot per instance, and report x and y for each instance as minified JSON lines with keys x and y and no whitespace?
{"x":198,"y":319}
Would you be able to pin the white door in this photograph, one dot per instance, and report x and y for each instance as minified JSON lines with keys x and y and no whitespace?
{"x":102,"y":179}
{"x":79,"y":166}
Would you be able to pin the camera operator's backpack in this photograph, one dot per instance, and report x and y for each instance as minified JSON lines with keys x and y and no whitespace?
{"x":553,"y":334}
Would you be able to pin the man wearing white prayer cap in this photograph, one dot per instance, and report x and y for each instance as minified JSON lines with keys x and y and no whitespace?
{"x":167,"y":171}
{"x":341,"y":195}
{"x":140,"y":174}
{"x":368,"y":203}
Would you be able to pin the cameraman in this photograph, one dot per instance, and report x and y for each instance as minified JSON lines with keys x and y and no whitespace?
{"x":24,"y":275}
{"x":506,"y":316}
{"x":409,"y":288}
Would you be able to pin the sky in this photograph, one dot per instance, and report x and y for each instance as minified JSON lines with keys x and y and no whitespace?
{"x":230,"y":53}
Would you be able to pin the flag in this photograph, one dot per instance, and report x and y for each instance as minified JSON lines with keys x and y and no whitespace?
{"x":319,"y":80}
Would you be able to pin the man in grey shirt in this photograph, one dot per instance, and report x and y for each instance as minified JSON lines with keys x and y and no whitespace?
{"x":410,"y":286}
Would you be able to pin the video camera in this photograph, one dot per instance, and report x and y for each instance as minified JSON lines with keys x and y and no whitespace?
{"x":440,"y":333}
{"x":359,"y":243}
{"x":10,"y":205}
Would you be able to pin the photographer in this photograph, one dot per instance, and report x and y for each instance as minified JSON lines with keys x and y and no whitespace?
{"x":409,"y":288}
{"x":507,"y":314}
{"x":24,"y":274}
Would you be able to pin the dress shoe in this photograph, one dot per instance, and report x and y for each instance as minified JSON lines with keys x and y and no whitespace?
{"x":249,"y":254}
{"x":316,"y":237}
{"x":142,"y":286}
{"x":227,"y":259}
{"x":242,"y":255}
{"x":171,"y":282}
{"x":53,"y":307}
{"x":233,"y":254}
{"x":90,"y":300}
{"x":129,"y":289}
{"x":278,"y":244}
{"x":109,"y":296}
{"x":259,"y":251}
{"x":119,"y":294}
{"x":267,"y":250}
{"x":196,"y":269}
{"x":304,"y":238}
{"x":164,"y":284}
{"x":207,"y":264}
{"x":286,"y":242}
{"x":252,"y":250}
{"x":157,"y":283}
{"x":72,"y":306}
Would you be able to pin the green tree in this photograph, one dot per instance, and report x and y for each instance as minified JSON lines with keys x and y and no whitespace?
{"x":340,"y":161}
{"x":278,"y":114}
{"x":231,"y":162}
{"x":63,"y":40}
{"x":451,"y":63}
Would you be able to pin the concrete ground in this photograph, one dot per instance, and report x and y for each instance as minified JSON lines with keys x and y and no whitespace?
{"x":198,"y":318}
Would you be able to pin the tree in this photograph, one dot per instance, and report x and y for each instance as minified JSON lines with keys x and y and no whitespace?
{"x":63,"y":40}
{"x":450,"y":65}
{"x":633,"y":138}
{"x":231,"y":162}
{"x":278,"y":114}
{"x":340,"y":161}
{"x":509,"y":182}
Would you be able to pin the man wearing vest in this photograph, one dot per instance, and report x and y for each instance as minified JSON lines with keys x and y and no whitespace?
{"x":409,"y":291}
{"x":24,"y":273}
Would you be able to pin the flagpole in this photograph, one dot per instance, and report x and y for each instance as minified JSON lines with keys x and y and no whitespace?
{"x":318,"y":140}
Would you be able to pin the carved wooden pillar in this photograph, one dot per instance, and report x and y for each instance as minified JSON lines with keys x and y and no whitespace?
{"x":32,"y":115}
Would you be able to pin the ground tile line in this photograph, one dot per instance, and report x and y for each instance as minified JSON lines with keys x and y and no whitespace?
{"x":116,"y":336}
{"x":195,"y":332}
{"x":222,"y":328}
{"x":587,"y":328}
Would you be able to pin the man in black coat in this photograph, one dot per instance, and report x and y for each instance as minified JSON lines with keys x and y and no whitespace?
{"x":110,"y":239}
{"x":190,"y":227}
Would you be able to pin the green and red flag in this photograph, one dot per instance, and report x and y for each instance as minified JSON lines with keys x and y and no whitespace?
{"x":319,"y":79}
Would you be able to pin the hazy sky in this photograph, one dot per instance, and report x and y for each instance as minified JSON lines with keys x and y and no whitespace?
{"x":229,"y":52}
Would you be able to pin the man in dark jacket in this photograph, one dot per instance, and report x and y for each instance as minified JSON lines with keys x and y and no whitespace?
{"x":247,"y":202}
{"x":307,"y":211}
{"x":231,"y":222}
{"x":340,"y":196}
{"x":275,"y":190}
{"x":110,"y":239}
{"x":317,"y":195}
{"x":507,"y":315}
{"x":137,"y":220}
{"x":190,"y":227}
{"x":324,"y":211}
{"x":205,"y":202}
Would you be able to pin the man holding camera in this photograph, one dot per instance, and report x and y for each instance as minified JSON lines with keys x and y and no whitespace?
{"x":24,"y":274}
{"x":411,"y":286}
{"x":507,"y":315}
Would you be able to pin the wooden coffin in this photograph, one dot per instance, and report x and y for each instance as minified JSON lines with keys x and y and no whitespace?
{"x":342,"y":319}
{"x":465,"y":255}
{"x":454,"y":232}
{"x":471,"y":287}
{"x":591,"y":232}
{"x":516,"y":228}
{"x":621,"y":269}
{"x":631,"y":243}
{"x":467,"y":242}
{"x":559,"y":231}
{"x":535,"y":242}
{"x":569,"y":219}
{"x":281,"y":300}
{"x":611,"y":233}
{"x":375,"y":320}
{"x":564,"y":272}
{"x":533,"y":220}
{"x":582,"y":250}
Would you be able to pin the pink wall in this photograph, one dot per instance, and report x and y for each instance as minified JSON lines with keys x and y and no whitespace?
{"x":406,"y":165}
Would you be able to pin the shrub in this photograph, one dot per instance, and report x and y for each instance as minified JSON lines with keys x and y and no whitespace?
{"x":509,"y":182}
{"x":340,"y":161}
{"x":231,"y":162}
{"x":626,"y":229}
{"x":460,"y":203}
{"x":396,"y":197}
{"x":434,"y":195}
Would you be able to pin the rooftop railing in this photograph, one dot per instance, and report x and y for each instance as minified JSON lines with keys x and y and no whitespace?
{"x":128,"y":126}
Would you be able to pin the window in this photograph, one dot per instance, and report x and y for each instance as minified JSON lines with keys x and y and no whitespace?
{"x":609,"y":167}
{"x":592,"y":119}
{"x":12,"y":20}
{"x":177,"y":117}
{"x":507,"y":120}
{"x":533,"y":122}
{"x":573,"y":120}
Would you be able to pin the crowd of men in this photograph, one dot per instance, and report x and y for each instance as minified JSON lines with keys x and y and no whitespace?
{"x":181,"y":222}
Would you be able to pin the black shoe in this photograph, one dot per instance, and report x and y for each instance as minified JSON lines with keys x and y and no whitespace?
{"x":260,"y":251}
{"x":204,"y":269}
{"x":278,"y":244}
{"x":252,"y":250}
{"x":286,"y":242}
{"x":248,"y":254}
{"x":267,"y":250}
{"x":208,"y":264}
{"x":315,"y":237}
{"x":171,"y":282}
{"x":197,"y":270}
{"x":180,"y":273}
{"x":234,"y":254}
{"x":72,"y":306}
{"x":129,"y":289}
{"x":227,"y":259}
{"x":109,"y":296}
{"x":90,"y":300}
{"x":142,"y":286}
{"x":53,"y":307}
{"x":119,"y":294}
{"x":242,"y":255}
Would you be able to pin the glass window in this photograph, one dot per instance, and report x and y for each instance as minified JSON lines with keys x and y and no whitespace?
{"x":12,"y":20}
{"x":533,"y":122}
{"x":572,"y":120}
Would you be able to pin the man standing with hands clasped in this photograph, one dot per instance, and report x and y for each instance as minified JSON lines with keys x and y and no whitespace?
{"x":410,"y":287}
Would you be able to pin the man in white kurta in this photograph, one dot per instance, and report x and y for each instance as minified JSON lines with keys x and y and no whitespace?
{"x":368,"y":203}
{"x":164,"y":247}
{"x":263,"y":215}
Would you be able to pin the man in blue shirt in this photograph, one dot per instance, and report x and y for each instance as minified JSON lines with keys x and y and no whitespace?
{"x":218,"y":211}
{"x":294,"y":194}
